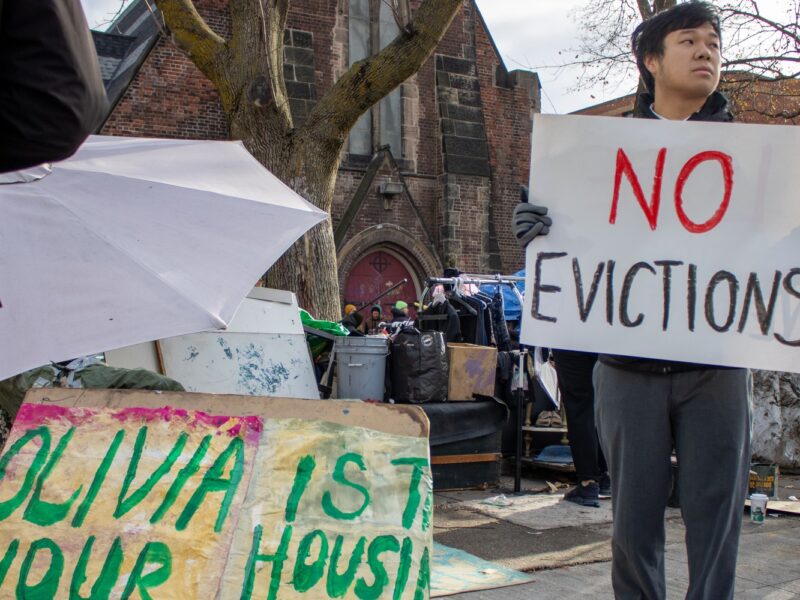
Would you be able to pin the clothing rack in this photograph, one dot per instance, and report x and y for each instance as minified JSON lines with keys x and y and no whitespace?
{"x":511,"y":281}
{"x":469,"y":279}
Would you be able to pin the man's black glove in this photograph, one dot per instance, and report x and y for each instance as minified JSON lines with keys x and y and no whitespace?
{"x":529,"y":220}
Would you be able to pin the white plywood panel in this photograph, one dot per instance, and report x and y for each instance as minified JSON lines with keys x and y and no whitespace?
{"x":263,"y":352}
{"x":253,"y":364}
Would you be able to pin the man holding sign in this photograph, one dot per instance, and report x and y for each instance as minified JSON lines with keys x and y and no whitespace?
{"x":646,"y":407}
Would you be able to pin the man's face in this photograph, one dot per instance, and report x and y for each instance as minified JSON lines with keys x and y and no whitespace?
{"x":376,"y":315}
{"x":690,"y":66}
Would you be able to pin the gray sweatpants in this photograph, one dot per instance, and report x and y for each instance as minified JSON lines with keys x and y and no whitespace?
{"x":705,"y":416}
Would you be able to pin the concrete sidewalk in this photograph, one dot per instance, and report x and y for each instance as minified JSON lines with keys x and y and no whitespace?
{"x":567,"y":548}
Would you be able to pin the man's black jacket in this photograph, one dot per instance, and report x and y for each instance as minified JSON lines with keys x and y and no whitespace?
{"x":51,"y":93}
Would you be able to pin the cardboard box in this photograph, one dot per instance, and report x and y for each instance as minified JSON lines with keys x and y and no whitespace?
{"x":763,"y":480}
{"x":472,"y":371}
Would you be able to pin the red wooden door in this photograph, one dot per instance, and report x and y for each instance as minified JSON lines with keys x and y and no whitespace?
{"x":376,"y":273}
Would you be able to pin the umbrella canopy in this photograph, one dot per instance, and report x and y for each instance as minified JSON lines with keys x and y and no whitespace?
{"x":133,"y":240}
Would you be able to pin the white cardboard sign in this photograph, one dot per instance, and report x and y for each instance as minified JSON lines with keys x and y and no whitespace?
{"x":672,"y":240}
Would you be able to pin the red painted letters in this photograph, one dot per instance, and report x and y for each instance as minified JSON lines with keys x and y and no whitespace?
{"x":624,"y":166}
{"x":727,"y":174}
{"x":650,"y":210}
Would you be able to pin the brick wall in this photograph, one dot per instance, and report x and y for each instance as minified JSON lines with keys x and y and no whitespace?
{"x":509,"y":101}
{"x":169,"y":97}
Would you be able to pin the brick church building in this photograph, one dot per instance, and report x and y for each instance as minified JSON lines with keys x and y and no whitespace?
{"x":430,"y":175}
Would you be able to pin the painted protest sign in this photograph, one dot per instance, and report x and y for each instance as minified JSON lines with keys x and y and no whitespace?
{"x":671,"y":240}
{"x":108,"y":501}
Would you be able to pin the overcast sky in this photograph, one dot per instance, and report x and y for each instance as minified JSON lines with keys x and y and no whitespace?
{"x":529,"y":35}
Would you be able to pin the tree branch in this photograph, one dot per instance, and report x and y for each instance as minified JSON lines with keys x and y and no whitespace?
{"x":758,"y":59}
{"x":369,"y":80}
{"x":782,"y":29}
{"x":192,"y":34}
{"x":644,"y":8}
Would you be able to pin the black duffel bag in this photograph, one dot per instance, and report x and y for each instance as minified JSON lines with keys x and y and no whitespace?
{"x":419,"y":367}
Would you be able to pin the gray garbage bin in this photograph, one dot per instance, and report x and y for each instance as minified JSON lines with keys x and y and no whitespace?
{"x":361,"y":366}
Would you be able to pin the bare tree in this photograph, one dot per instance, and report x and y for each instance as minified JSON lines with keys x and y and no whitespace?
{"x":247,"y":71}
{"x":762,"y":44}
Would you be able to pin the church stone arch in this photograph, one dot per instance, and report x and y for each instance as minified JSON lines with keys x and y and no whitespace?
{"x":419,"y":259}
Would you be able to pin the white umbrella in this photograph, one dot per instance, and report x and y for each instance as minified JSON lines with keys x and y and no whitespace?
{"x":133,"y":240}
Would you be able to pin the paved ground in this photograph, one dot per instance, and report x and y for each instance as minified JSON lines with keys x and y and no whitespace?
{"x":769,"y":556}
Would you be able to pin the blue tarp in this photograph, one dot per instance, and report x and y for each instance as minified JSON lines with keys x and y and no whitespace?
{"x":513,"y":311}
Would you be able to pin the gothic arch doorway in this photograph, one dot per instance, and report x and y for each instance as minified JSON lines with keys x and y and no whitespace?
{"x":377,"y":271}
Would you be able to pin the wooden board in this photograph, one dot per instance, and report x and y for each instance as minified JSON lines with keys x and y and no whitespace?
{"x":388,"y":418}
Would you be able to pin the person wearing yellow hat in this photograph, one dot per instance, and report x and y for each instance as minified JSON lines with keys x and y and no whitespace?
{"x":349,"y":309}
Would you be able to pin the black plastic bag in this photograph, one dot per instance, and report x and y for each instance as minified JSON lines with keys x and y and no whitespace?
{"x":419,"y":367}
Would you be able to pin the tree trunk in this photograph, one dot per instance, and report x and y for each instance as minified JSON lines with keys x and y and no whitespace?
{"x":309,"y":167}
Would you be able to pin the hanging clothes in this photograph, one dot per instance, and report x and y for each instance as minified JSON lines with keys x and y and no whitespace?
{"x":473,"y":322}
{"x":442,"y":317}
{"x":497,"y":309}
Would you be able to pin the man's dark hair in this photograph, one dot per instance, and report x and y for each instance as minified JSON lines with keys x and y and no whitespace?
{"x":648,"y":38}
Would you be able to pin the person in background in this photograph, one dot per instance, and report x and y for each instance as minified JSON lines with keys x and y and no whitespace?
{"x":375,"y":318}
{"x":644,"y":407}
{"x":574,"y":370}
{"x":51,"y":93}
{"x":353,"y":320}
{"x":400,"y":311}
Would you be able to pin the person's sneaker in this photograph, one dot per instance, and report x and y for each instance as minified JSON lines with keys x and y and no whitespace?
{"x":604,"y":487}
{"x":585,"y":495}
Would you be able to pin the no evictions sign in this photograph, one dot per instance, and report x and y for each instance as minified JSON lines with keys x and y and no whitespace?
{"x":131,"y":502}
{"x":673,"y":240}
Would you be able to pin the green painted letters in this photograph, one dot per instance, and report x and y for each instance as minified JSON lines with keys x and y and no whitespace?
{"x":108,"y":575}
{"x":153,"y":552}
{"x":305,"y":468}
{"x":382,"y":543}
{"x":337,"y":585}
{"x":339,"y":477}
{"x":48,"y":585}
{"x":8,"y":558}
{"x":97,"y":481}
{"x":424,"y":579}
{"x":276,"y":559}
{"x":47,"y":513}
{"x":9,"y":506}
{"x":125,"y":504}
{"x":306,"y":576}
{"x":403,"y":568}
{"x":183,"y":475}
{"x":213,"y":482}
{"x":412,"y":504}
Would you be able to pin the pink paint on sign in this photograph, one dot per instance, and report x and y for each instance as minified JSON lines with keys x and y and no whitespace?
{"x":32,"y":415}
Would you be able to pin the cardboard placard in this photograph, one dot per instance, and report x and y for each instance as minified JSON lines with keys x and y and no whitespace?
{"x":671,"y":240}
{"x":115,"y":494}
